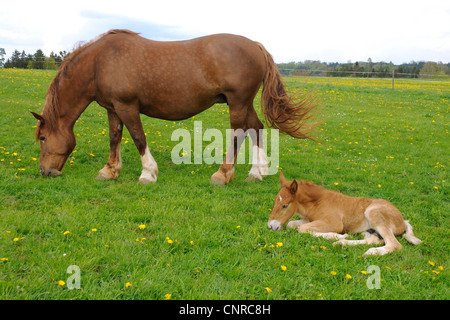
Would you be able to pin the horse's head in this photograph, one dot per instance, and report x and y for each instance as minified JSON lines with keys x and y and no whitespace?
{"x":57,"y":143}
{"x":284,"y":204}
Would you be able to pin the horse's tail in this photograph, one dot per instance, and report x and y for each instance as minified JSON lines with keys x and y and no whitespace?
{"x":280,"y":110}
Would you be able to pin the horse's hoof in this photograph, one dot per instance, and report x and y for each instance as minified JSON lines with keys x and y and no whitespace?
{"x":218,"y":179}
{"x":146,"y":180}
{"x":254,"y":177}
{"x":101,"y":177}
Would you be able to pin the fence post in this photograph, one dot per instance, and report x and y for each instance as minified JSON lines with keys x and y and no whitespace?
{"x":393,"y":76}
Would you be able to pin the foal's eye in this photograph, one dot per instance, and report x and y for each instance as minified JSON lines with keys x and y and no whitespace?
{"x":42,"y":138}
{"x":285,"y":206}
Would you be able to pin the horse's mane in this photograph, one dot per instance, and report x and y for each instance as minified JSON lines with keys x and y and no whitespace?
{"x":51,"y":108}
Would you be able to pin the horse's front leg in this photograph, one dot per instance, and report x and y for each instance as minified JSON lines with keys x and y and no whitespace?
{"x":112,"y":168}
{"x":129,"y":114}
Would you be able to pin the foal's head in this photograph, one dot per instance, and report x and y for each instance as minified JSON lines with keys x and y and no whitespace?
{"x":284,"y":204}
{"x":295,"y":197}
{"x":57,"y":143}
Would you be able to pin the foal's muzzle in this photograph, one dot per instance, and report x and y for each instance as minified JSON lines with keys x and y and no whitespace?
{"x":274,"y":225}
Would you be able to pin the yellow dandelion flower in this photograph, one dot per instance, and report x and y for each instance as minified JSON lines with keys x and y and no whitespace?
{"x":16,"y":239}
{"x":191,"y":242}
{"x":168,"y":296}
{"x":268,"y":289}
{"x":61,"y":283}
{"x":127,"y":285}
{"x":142,"y":226}
{"x":66,"y":233}
{"x":333,"y":273}
{"x":364,"y":272}
{"x":3,"y":259}
{"x":283,"y":268}
{"x":436,"y":272}
{"x":441,"y":268}
{"x":169,"y":241}
{"x":279,"y":244}
{"x":431,"y":263}
{"x":348,"y":276}
{"x":94,"y":229}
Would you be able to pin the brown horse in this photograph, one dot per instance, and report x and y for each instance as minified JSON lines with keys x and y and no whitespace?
{"x":129,"y":75}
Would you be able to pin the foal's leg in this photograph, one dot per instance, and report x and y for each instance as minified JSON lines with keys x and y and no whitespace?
{"x":112,"y":168}
{"x":377,"y":220}
{"x":324,"y":229}
{"x":369,"y":238}
{"x":131,"y":118}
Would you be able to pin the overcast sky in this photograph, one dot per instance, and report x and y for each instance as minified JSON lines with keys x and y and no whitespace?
{"x":330,"y":31}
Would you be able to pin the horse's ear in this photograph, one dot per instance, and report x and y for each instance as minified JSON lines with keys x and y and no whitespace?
{"x":38,"y":117}
{"x":294,"y":186}
{"x":283,"y":180}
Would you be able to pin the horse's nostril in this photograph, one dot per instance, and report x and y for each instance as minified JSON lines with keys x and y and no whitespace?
{"x":42,"y":171}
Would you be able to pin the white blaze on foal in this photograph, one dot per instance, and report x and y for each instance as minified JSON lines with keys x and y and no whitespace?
{"x":149,"y":168}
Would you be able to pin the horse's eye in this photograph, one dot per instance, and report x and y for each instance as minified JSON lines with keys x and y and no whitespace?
{"x":285,"y":206}
{"x":42,"y":138}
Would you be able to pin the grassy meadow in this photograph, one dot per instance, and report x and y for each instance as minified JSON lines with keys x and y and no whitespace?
{"x":183,"y":238}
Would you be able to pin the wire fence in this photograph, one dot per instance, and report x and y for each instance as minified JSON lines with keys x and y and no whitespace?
{"x":357,"y":74}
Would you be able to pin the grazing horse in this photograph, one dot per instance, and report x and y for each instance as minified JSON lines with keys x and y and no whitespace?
{"x":328,"y":214}
{"x":129,"y":75}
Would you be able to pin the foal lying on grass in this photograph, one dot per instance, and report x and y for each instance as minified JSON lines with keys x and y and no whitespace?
{"x":329,"y":214}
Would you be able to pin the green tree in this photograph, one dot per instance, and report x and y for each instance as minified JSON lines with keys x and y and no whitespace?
{"x":38,"y":60}
{"x":2,"y":57}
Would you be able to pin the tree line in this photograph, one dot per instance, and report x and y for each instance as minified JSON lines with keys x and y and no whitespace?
{"x":367,"y":69}
{"x":38,"y":60}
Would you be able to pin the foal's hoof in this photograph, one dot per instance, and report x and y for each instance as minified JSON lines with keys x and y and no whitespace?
{"x":341,"y":242}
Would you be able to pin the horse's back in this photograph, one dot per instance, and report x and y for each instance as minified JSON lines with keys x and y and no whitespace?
{"x":188,"y":76}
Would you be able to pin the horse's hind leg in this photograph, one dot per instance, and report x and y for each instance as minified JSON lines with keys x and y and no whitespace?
{"x":260,"y":164}
{"x":242,"y":118}
{"x":112,"y":168}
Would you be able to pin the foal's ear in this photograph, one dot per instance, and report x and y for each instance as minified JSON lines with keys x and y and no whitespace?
{"x":38,"y":117}
{"x":283,"y":180}
{"x":294,"y":186}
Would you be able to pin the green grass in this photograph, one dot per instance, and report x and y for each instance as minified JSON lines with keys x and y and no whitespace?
{"x":376,"y":142}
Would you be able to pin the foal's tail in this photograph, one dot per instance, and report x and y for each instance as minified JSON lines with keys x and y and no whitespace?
{"x":409,"y":235}
{"x":280,"y":110}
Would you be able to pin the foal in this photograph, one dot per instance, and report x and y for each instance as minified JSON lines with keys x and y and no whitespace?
{"x":331,"y":215}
